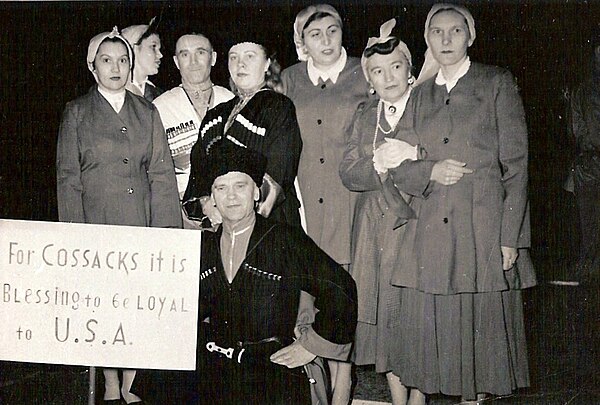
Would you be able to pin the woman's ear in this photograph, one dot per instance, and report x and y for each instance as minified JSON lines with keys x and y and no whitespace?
{"x":256,"y":193}
{"x":267,"y":65}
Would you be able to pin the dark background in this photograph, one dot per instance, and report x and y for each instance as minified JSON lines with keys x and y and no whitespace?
{"x":43,"y":48}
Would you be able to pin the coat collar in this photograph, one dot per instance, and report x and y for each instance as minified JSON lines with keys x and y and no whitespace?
{"x":262,"y":228}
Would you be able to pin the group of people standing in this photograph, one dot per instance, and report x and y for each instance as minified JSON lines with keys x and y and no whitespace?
{"x":414,"y":186}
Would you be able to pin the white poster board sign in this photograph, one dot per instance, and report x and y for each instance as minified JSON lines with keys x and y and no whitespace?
{"x":98,"y":295}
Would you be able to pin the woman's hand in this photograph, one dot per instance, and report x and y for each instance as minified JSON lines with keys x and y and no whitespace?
{"x":392,"y":153}
{"x":448,"y":172}
{"x":209,"y":209}
{"x":509,"y":257}
{"x":292,"y":356}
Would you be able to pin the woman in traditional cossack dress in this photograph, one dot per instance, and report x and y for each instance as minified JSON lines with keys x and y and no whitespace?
{"x":258,"y":118}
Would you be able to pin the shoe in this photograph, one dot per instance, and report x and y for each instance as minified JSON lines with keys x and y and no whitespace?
{"x":567,"y":283}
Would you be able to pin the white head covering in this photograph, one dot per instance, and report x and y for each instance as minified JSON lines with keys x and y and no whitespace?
{"x":430,"y":65}
{"x":385,"y":32}
{"x":95,"y":44}
{"x":301,"y":19}
{"x":133,"y":33}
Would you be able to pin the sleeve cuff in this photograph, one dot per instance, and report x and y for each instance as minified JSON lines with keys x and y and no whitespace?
{"x":311,"y":341}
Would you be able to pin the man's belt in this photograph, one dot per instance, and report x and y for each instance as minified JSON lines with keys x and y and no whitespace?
{"x":228,"y":352}
{"x":248,"y":351}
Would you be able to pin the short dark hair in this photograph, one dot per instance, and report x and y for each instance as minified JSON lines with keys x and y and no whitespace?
{"x":383,"y":48}
{"x":151,"y":30}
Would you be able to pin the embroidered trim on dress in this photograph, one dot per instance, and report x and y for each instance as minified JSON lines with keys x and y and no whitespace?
{"x":209,"y":125}
{"x":211,"y":142}
{"x":261,"y":273}
{"x":238,"y":143}
{"x":250,"y":126}
{"x":207,"y":273}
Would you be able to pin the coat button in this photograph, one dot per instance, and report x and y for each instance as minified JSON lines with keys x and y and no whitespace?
{"x":323,"y":86}
{"x":319,"y":122}
{"x":322,"y":160}
{"x":446,"y":140}
{"x":125,"y":160}
{"x":320,"y":200}
{"x":447,"y":101}
{"x":445,"y":220}
{"x":130,"y":191}
{"x":124,"y":130}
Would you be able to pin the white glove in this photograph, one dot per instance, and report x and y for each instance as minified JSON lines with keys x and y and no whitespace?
{"x":392,"y":153}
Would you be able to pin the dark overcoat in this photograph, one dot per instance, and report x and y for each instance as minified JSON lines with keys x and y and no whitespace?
{"x":376,"y":238}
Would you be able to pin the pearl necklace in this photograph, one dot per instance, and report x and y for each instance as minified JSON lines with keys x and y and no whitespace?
{"x":378,"y":126}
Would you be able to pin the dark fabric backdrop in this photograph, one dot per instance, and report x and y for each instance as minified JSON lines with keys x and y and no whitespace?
{"x":43,"y":47}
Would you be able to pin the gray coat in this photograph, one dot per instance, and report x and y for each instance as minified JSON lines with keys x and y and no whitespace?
{"x":454,"y":245}
{"x":115,"y":168}
{"x":375,"y":236}
{"x":324,"y":114}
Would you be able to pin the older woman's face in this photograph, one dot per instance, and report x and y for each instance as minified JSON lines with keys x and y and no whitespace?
{"x":448,"y":37}
{"x":323,"y":41}
{"x":148,"y":55}
{"x":111,"y":66}
{"x":388,"y":74}
{"x":247,"y":65}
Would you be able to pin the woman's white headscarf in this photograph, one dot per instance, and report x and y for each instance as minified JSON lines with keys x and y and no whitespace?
{"x":133,"y":33}
{"x":430,"y":65}
{"x":301,"y":19}
{"x":385,"y":34}
{"x":95,"y":44}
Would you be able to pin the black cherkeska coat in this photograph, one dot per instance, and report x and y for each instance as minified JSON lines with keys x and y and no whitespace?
{"x":262,"y":303}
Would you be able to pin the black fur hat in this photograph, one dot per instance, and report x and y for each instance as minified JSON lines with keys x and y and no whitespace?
{"x":225,"y":156}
